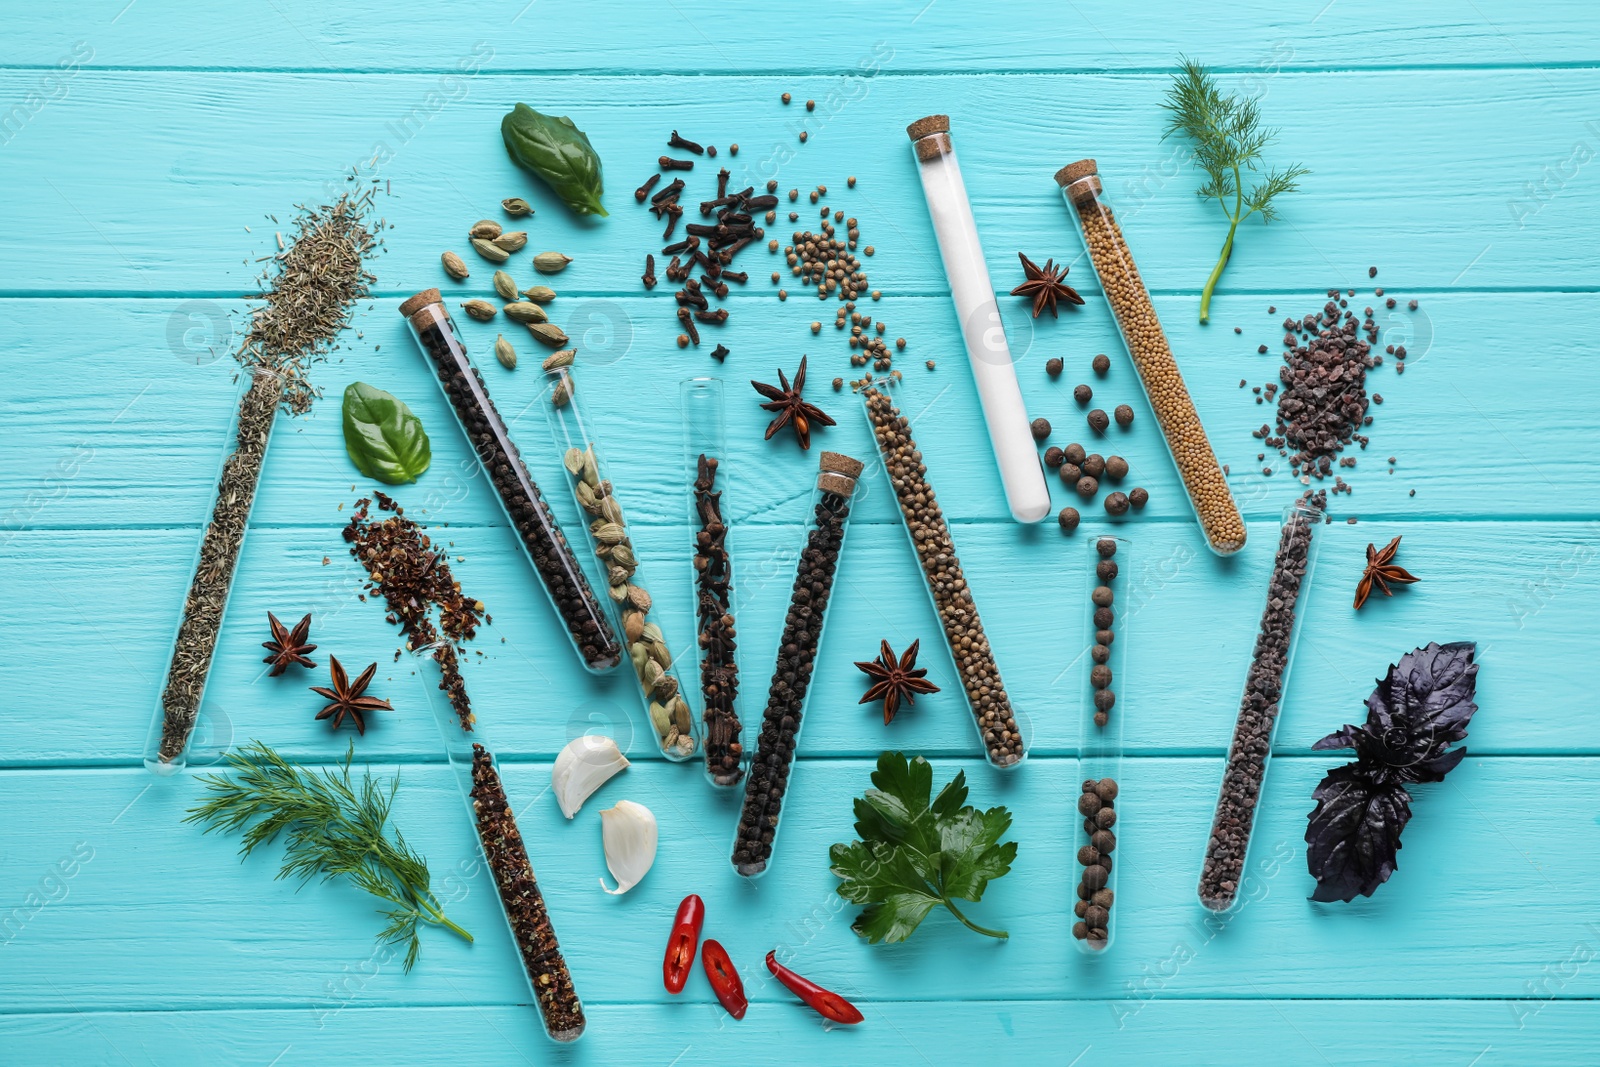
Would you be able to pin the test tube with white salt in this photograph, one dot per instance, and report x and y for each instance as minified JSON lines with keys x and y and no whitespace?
{"x":987,"y":352}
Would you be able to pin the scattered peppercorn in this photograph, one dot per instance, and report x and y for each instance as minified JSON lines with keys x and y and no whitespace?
{"x":787,"y":98}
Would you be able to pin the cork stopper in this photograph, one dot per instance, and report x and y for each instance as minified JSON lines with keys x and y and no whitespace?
{"x":839,"y":463}
{"x":929,"y":124}
{"x":839,"y":473}
{"x":1081,"y":180}
{"x":420,"y":301}
{"x":837,"y":484}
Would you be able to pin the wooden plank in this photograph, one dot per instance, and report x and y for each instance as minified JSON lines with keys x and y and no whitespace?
{"x":217,"y":152}
{"x":151,"y":897}
{"x":111,"y":598}
{"x":693,"y":35}
{"x":122,"y":432}
{"x":1214,"y":1032}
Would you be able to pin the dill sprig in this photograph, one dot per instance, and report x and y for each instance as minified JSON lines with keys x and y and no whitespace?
{"x":332,"y":826}
{"x":1228,"y":139}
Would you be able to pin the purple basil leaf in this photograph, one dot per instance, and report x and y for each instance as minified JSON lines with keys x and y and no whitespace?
{"x":1427,"y":694}
{"x":1436,"y":767}
{"x":1344,"y":737}
{"x":1353,"y":833}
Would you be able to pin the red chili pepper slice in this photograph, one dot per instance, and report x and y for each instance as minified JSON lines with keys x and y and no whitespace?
{"x":724,"y":979}
{"x":826,"y":1003}
{"x":684,"y":940}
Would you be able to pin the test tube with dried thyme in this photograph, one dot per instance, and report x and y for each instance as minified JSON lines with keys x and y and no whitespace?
{"x":544,"y":545}
{"x":502,"y":848}
{"x":672,"y":722}
{"x":183,"y":690}
{"x":768,"y":777}
{"x":1228,"y":846}
{"x":713,"y":580}
{"x":946,"y":582}
{"x":1147,"y":346}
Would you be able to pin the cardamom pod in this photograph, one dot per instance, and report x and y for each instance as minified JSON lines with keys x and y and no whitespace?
{"x":453,"y":266}
{"x":660,"y":718}
{"x":525,"y":313}
{"x":550,"y":262}
{"x":539,"y":294}
{"x":610,"y":533}
{"x":481,"y":310}
{"x":617,"y":575}
{"x":660,"y":654}
{"x":680,"y":714}
{"x":591,"y":471}
{"x":505,"y":285}
{"x":639,"y":655}
{"x":617,"y":593}
{"x":505,"y":353}
{"x":622,"y":555}
{"x":612,"y":511}
{"x":489,"y":250}
{"x":652,"y":634}
{"x":516,"y":207}
{"x":632,"y":625}
{"x":586,"y":498}
{"x":666,"y":688}
{"x":637,"y":596}
{"x":562,"y":393}
{"x":652,"y":674}
{"x":563,"y":358}
{"x":603,"y":551}
{"x":513,"y":241}
{"x":550,"y":334}
{"x":572,"y":459}
{"x":484,"y":229}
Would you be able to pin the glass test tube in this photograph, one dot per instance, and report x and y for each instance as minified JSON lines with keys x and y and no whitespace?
{"x":987,"y":352}
{"x":1100,"y":743}
{"x":183,"y":688}
{"x":1146,"y":343}
{"x":768,"y":777}
{"x":929,"y":536}
{"x":543,"y":543}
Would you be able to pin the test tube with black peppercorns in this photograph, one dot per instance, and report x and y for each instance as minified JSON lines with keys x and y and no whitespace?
{"x":768,"y":778}
{"x":543,"y":543}
{"x":502,"y":850}
{"x":1228,"y":847}
{"x":1152,"y":357}
{"x":929,"y":534}
{"x":1100,"y":743}
{"x":705,"y":453}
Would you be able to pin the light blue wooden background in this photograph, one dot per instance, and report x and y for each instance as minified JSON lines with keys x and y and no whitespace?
{"x":1451,"y":144}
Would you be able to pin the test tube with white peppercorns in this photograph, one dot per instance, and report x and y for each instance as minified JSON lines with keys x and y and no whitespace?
{"x":924,"y":522}
{"x":1147,"y":346}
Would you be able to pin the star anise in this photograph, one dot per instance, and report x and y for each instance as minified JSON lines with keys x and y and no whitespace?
{"x":1381,"y":571}
{"x":790,"y":407}
{"x":287,"y":646}
{"x":347,"y":696}
{"x":893,"y":679}
{"x":1044,"y":285}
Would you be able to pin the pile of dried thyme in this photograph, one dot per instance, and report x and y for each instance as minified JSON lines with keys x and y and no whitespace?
{"x":320,"y":275}
{"x":413,"y":577}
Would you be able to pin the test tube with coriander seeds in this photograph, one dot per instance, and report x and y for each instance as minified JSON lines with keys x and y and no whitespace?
{"x":671,"y":722}
{"x":768,"y":778}
{"x":183,"y":688}
{"x":988,"y":355}
{"x":543,"y":543}
{"x":1100,"y":743}
{"x":705,"y":453}
{"x":1203,"y":478}
{"x":923,"y":520}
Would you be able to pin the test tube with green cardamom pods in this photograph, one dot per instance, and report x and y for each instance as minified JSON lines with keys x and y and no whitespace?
{"x":929,"y":536}
{"x":672,"y":723}
{"x":712,"y":579}
{"x":1203,"y":478}
{"x":779,"y":738}
{"x":1100,"y":740}
{"x":500,"y":845}
{"x":183,"y":686}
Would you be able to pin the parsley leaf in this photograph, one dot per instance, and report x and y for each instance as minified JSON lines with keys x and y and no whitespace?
{"x":916,"y":855}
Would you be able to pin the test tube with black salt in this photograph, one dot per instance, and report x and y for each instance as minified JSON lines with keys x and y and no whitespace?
{"x":988,"y":355}
{"x":768,"y":778}
{"x":500,"y":844}
{"x":543,"y":543}
{"x":1100,"y":744}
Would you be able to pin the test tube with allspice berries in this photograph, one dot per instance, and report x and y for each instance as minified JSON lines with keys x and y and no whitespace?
{"x":1147,"y":346}
{"x":1100,"y":743}
{"x":779,"y":736}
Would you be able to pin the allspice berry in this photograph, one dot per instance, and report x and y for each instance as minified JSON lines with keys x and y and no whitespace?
{"x":1107,"y":788}
{"x":1138,"y":498}
{"x":1068,"y":518}
{"x":1087,"y":487}
{"x":1074,"y":453}
{"x":1082,"y":394}
{"x":1088,"y":804}
{"x":1116,"y":468}
{"x":1093,"y":465}
{"x":1054,"y":457}
{"x":1053,"y":366}
{"x":1102,"y":596}
{"x":1123,"y":415}
{"x":1040,"y":429}
{"x":1100,"y":678}
{"x":1070,"y":473}
{"x":1101,"y":364}
{"x":1099,"y":420}
{"x":1117,"y":504}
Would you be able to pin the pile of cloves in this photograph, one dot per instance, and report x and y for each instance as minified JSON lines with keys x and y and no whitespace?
{"x":707,"y":247}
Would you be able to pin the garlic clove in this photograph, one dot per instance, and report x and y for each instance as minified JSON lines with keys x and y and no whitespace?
{"x":629,"y":833}
{"x":586,"y":764}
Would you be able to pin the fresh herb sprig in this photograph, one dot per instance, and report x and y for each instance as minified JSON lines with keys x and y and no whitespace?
{"x":1228,"y":140}
{"x":335,"y":827}
{"x":915,"y":855}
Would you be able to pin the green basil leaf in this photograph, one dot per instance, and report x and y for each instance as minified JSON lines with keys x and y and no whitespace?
{"x":384,"y":439}
{"x":558,"y":152}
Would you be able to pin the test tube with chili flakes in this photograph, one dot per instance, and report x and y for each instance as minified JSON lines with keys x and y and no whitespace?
{"x":1152,"y":358}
